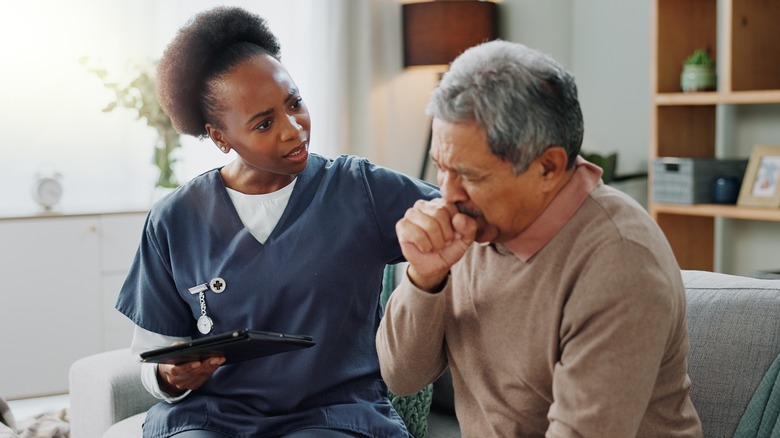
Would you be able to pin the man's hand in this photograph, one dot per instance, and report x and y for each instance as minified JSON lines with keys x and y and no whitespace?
{"x":175,"y":379}
{"x":433,"y":236}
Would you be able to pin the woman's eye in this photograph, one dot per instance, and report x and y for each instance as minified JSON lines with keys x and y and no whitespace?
{"x":297,"y":103}
{"x":264,"y":125}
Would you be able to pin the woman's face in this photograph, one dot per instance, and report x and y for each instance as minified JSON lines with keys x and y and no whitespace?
{"x":264,"y":120}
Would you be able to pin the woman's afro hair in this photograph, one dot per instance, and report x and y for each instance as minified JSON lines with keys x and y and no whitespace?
{"x":196,"y":55}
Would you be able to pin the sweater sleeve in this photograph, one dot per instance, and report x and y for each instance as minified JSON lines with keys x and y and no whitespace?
{"x":410,"y":339}
{"x":617,"y":327}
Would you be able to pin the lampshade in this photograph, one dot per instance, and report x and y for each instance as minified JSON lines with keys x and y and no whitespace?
{"x":436,"y":32}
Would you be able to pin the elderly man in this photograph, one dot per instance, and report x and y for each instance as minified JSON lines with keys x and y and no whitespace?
{"x":566,"y":318}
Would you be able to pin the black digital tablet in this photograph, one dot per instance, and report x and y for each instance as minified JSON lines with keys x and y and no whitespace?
{"x":235,"y":346}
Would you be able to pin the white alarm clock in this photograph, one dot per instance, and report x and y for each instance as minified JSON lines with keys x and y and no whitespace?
{"x":47,"y":190}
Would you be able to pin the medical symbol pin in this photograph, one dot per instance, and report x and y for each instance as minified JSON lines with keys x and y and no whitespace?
{"x":217,"y":285}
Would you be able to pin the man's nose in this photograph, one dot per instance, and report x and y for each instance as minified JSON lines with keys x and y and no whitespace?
{"x":451,"y":188}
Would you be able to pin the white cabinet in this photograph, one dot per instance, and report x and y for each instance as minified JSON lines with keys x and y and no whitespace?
{"x":59,"y":278}
{"x":119,"y":238}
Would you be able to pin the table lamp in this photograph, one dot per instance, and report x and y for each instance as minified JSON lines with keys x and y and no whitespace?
{"x":436,"y":32}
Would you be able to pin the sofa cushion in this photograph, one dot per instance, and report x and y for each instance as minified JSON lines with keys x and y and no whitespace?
{"x":105,"y":388}
{"x":130,"y":427}
{"x":734,"y":330}
{"x":413,"y":408}
{"x":442,"y":426}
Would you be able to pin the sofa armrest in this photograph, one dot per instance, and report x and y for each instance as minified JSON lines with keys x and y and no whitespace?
{"x":105,"y":388}
{"x":734,"y":332}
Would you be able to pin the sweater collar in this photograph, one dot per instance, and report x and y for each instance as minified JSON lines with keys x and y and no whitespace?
{"x":531,"y":240}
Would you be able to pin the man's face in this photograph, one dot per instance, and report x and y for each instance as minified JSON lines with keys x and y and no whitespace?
{"x":482,"y":185}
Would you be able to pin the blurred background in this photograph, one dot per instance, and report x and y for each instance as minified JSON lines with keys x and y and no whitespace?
{"x":345,"y":55}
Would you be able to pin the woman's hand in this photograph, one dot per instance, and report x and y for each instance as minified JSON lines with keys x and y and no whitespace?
{"x":176,"y":379}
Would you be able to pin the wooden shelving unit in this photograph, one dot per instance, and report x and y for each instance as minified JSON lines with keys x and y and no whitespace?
{"x":684,"y":124}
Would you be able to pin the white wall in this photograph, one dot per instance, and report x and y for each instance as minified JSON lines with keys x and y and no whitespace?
{"x":611,"y":52}
{"x":546,"y":26}
{"x":611,"y":62}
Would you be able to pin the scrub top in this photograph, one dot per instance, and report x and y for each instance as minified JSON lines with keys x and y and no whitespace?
{"x":319,"y":273}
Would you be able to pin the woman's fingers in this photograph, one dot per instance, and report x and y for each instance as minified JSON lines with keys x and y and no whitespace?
{"x":190,"y":375}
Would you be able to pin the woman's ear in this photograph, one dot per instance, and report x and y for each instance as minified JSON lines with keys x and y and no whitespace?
{"x":218,"y":137}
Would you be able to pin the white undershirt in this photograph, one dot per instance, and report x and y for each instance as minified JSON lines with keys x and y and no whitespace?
{"x":259,"y":214}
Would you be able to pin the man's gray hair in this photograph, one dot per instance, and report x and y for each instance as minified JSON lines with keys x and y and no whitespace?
{"x":525,"y":100}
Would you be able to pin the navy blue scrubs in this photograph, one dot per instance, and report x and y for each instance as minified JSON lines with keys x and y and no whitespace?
{"x":319,"y":273}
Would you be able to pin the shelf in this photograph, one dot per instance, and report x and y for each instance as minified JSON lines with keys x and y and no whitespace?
{"x":716,"y":98}
{"x":684,"y":131}
{"x":741,"y":36}
{"x":717,"y":210}
{"x":752,"y":62}
{"x":680,"y":27}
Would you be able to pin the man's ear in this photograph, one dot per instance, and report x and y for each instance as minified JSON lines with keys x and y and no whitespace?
{"x":553,"y":163}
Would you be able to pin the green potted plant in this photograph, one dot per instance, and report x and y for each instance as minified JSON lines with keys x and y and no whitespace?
{"x":140,"y":95}
{"x":698,"y":73}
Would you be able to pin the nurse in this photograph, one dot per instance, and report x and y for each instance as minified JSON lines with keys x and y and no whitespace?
{"x":280,"y":239}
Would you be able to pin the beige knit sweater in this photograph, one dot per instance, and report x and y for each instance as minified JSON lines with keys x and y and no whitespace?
{"x":586,"y":338}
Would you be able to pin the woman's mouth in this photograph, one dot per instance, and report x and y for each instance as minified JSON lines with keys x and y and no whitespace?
{"x":299,"y":154}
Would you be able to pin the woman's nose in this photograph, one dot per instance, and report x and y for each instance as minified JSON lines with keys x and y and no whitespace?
{"x":291,"y":128}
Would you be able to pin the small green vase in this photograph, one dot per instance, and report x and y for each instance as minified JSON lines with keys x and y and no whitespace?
{"x":697,"y":78}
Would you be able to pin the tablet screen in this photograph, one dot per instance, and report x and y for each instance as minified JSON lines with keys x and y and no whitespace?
{"x":235,"y":346}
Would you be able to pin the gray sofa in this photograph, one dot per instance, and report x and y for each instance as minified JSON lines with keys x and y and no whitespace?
{"x":734,"y":326}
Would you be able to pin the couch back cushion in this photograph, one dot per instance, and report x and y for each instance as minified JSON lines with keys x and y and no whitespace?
{"x":734,"y":329}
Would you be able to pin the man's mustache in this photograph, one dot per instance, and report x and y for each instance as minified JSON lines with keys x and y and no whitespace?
{"x":470,"y":212}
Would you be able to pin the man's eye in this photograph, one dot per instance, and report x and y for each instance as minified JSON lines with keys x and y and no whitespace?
{"x":297,"y":103}
{"x":472,"y":178}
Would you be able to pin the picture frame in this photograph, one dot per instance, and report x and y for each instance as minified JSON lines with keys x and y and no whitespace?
{"x":761,"y":184}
